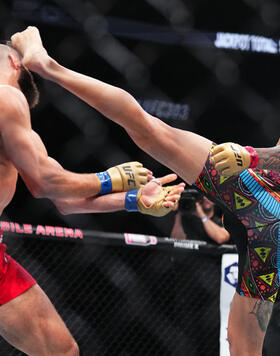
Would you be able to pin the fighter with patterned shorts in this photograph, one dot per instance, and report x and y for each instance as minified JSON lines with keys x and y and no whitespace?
{"x":232,"y":159}
{"x":252,"y":216}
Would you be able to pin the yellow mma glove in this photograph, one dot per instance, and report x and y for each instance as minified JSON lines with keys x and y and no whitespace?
{"x":231,"y":159}
{"x":122,"y":178}
{"x":134,"y":202}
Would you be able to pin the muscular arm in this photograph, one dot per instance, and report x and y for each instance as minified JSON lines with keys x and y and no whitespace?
{"x":216,"y":232}
{"x":150,"y":194}
{"x":102,"y":204}
{"x":43,"y":176}
{"x":177,"y":231}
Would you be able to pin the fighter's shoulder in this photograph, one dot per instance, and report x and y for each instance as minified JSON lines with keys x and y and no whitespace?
{"x":11,"y":94}
{"x":12,"y":101}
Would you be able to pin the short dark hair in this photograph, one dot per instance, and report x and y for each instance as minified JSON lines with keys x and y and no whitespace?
{"x":26,"y":81}
{"x":28,"y":87}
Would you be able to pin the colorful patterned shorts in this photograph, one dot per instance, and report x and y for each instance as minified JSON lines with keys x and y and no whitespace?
{"x":251,"y":202}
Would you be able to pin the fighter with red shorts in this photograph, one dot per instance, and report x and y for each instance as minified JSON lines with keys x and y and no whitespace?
{"x":28,"y":320}
{"x":14,"y":279}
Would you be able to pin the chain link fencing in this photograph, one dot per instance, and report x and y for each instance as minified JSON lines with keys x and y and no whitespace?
{"x":126,"y":300}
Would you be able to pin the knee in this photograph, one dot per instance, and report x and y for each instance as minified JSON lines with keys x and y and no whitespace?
{"x":233,"y":343}
{"x":72,"y":349}
{"x":65,"y":347}
{"x":75,"y":350}
{"x":245,"y":347}
{"x":230,"y":341}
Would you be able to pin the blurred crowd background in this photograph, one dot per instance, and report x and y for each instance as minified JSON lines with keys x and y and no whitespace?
{"x":211,"y":67}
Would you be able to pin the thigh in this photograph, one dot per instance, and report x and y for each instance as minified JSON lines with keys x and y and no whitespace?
{"x":30,"y":323}
{"x":182,"y":151}
{"x":248,"y":320}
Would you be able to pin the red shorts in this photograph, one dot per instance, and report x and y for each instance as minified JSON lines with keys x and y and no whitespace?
{"x":14,"y":279}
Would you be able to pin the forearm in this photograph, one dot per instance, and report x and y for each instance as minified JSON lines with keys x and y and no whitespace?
{"x":216,"y":232}
{"x":269,"y":158}
{"x":177,"y":231}
{"x":62,"y":184}
{"x":101,"y":204}
{"x":48,"y":179}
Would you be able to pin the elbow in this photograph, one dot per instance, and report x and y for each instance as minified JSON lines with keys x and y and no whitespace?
{"x":62,"y":210}
{"x":222,"y":238}
{"x":62,"y":207}
{"x":36,"y":184}
{"x":39,"y":190}
{"x":43,"y":182}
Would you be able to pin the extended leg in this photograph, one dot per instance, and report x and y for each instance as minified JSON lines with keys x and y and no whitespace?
{"x":183,"y":152}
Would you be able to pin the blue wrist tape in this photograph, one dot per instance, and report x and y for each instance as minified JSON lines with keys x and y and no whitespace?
{"x":131,"y":200}
{"x":106,"y":183}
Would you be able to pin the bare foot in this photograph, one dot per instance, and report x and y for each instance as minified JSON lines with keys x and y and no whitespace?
{"x":29,"y":44}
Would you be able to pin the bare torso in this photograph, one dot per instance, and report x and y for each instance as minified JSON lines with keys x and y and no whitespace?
{"x":8,"y":178}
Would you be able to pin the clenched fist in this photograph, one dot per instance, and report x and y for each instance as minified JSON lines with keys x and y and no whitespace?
{"x":231,"y":158}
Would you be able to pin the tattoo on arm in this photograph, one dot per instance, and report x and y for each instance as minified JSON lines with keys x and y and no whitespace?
{"x":262,"y":310}
{"x":269,"y":158}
